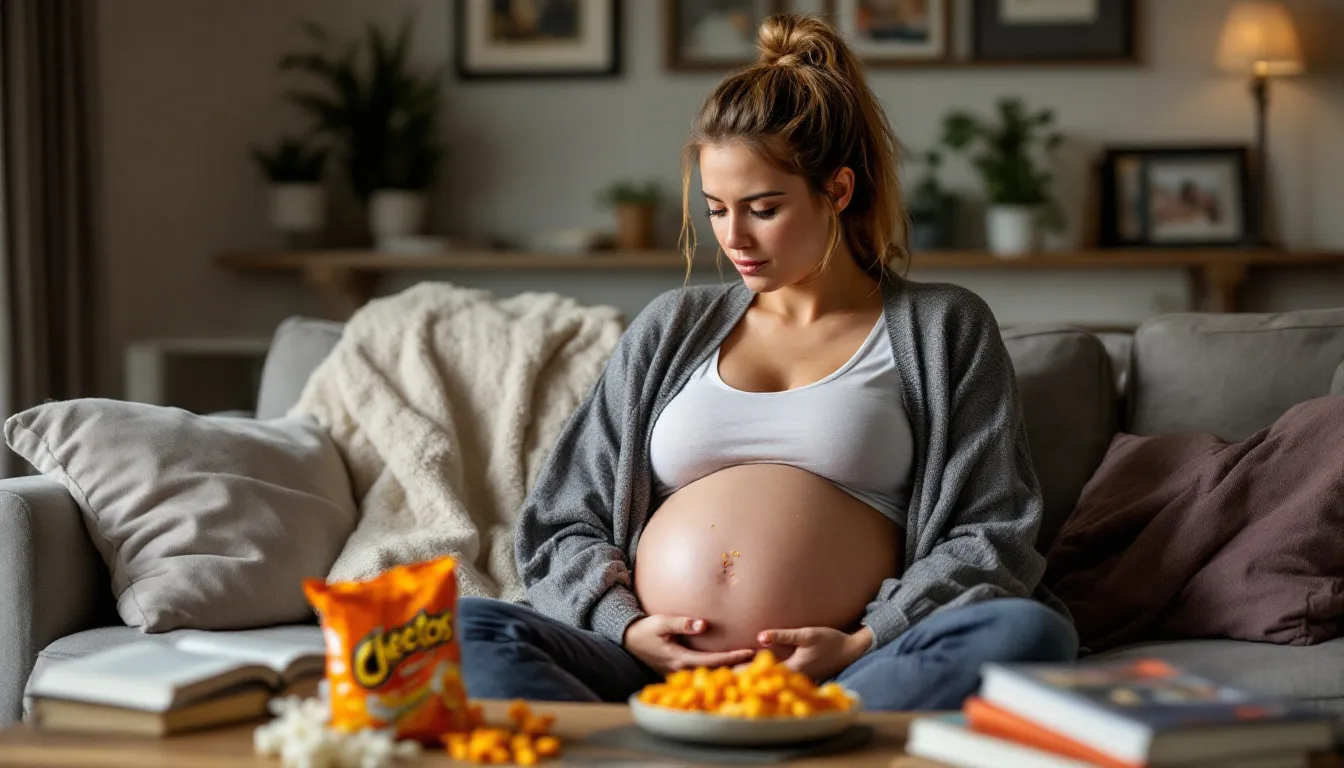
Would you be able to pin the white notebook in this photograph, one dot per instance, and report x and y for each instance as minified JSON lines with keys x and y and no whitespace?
{"x":948,"y":740}
{"x":161,"y":675}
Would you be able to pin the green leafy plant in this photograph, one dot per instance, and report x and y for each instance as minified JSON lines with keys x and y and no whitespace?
{"x":928,"y":186}
{"x":381,"y":112}
{"x":1005,"y":153}
{"x":631,"y":193}
{"x":292,"y":161}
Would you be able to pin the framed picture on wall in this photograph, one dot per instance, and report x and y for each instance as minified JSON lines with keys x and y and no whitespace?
{"x":1055,"y":30}
{"x":894,"y":32}
{"x":714,"y":35}
{"x":1175,"y":196}
{"x":537,"y":38}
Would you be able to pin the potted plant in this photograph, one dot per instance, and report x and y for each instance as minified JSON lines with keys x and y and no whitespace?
{"x":383,"y":115}
{"x":635,"y":205}
{"x":1004,"y":154}
{"x":930,"y":207}
{"x":298,"y":199}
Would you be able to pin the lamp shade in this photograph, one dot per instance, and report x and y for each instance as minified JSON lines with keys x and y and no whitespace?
{"x":1258,"y":38}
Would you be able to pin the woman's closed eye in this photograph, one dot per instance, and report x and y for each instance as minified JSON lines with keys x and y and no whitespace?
{"x":768,"y":213}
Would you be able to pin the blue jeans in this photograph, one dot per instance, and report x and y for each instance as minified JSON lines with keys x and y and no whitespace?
{"x":511,"y":651}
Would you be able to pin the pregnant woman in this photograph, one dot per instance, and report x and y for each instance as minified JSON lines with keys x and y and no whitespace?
{"x":824,"y":458}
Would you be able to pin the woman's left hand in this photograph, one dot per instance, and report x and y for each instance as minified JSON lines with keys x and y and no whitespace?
{"x":818,"y":652}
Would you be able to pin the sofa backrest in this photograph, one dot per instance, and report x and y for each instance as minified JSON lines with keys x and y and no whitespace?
{"x":1225,"y":374}
{"x":299,"y":344}
{"x":1230,"y":375}
{"x":1071,"y":407}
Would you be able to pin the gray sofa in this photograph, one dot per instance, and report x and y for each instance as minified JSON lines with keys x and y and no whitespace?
{"x":1226,"y":374}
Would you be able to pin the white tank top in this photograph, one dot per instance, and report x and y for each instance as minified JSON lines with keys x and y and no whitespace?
{"x":850,"y":428}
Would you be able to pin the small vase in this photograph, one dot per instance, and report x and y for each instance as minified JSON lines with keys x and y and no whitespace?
{"x":298,"y":211}
{"x":634,"y":227}
{"x":1011,"y":230}
{"x":395,"y":213}
{"x":931,"y":217}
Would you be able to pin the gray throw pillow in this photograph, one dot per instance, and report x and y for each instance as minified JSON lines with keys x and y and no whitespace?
{"x":205,"y":522}
{"x":1337,"y":386}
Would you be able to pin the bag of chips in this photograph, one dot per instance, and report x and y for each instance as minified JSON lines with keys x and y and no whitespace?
{"x":392,"y":652}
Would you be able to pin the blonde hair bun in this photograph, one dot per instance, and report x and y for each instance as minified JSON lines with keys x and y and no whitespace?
{"x":791,"y":40}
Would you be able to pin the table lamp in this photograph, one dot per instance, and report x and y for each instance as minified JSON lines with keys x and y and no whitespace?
{"x":1258,"y":39}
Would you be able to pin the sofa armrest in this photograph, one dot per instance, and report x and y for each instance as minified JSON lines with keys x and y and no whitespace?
{"x":52,"y":580}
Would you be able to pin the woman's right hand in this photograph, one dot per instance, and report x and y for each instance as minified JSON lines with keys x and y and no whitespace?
{"x":653,"y":640}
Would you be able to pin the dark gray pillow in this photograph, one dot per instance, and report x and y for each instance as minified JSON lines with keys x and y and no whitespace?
{"x":1071,"y":411}
{"x":205,"y":522}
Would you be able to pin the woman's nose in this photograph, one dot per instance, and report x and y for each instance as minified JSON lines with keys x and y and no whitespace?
{"x":736,"y":236}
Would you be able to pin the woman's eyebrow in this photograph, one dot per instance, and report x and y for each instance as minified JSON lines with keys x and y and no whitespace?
{"x":748,"y":198}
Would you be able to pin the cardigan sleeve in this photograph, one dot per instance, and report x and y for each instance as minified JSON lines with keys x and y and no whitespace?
{"x":977,"y":501}
{"x":568,"y":529}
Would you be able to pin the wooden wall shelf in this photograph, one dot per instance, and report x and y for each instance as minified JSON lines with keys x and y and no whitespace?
{"x":349,"y":278}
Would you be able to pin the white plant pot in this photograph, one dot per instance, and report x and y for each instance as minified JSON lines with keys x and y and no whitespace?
{"x":1011,"y":230}
{"x":395,"y":213}
{"x":298,"y":208}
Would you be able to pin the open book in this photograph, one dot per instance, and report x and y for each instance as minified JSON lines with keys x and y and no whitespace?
{"x":167,"y":685}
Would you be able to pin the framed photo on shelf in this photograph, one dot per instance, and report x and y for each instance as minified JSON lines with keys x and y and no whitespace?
{"x":1175,"y":196}
{"x":888,"y":33}
{"x":1039,"y":31}
{"x":537,"y":38}
{"x":716,"y":35}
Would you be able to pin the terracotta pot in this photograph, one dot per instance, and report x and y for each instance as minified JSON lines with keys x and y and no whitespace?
{"x":634,"y":227}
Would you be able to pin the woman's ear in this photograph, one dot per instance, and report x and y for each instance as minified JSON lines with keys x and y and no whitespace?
{"x":841,"y":188}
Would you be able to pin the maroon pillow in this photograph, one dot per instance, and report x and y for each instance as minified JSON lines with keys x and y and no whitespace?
{"x":1186,"y":535}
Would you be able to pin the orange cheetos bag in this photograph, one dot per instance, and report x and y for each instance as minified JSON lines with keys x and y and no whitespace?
{"x":392,"y":651}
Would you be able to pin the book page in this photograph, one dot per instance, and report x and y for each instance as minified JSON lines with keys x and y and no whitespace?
{"x":289,"y":659}
{"x":146,"y":674}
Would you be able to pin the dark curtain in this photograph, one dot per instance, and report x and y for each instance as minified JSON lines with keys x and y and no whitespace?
{"x":48,"y":193}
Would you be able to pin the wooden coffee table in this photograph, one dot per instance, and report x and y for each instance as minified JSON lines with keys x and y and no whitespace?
{"x":230,"y":746}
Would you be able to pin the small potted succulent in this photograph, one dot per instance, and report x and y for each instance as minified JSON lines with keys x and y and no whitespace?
{"x":635,"y":205}
{"x":298,"y":198}
{"x":1009,"y":153}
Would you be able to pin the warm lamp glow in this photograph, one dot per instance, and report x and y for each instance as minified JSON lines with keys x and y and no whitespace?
{"x":1258,"y":38}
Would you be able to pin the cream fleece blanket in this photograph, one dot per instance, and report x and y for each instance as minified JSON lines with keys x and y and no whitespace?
{"x":444,"y":402}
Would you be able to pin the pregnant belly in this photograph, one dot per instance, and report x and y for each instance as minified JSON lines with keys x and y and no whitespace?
{"x":763,"y":546}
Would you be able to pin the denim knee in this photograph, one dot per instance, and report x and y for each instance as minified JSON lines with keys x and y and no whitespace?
{"x":486,"y":619}
{"x":1028,"y":631}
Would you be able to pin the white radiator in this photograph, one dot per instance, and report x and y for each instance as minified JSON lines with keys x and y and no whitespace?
{"x":199,"y":375}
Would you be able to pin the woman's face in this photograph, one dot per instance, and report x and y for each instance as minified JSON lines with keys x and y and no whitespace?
{"x":769,"y":225}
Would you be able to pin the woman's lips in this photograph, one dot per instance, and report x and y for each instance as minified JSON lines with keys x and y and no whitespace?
{"x":748,"y":266}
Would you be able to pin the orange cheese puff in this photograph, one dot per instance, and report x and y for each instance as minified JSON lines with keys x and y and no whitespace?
{"x":392,"y":652}
{"x":764,"y":687}
{"x":548,"y":746}
{"x":457,"y":744}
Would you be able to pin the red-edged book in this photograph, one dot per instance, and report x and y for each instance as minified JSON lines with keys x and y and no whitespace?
{"x":990,"y":720}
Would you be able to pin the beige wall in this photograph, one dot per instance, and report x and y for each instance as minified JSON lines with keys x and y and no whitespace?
{"x":184,"y":85}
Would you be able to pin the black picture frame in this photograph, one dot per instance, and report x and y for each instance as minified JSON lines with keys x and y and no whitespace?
{"x":465,"y":21}
{"x":1176,"y":196}
{"x":1113,"y":37}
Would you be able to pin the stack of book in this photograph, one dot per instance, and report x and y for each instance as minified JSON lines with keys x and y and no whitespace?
{"x":161,"y":687}
{"x":1127,"y":714}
